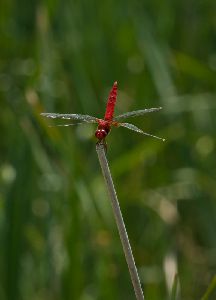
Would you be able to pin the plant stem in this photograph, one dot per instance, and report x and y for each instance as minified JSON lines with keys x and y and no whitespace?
{"x":100,"y":148}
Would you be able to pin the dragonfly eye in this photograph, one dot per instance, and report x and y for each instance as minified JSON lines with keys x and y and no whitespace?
{"x":100,"y":134}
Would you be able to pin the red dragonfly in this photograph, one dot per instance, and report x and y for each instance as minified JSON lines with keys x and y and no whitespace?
{"x":104,"y":125}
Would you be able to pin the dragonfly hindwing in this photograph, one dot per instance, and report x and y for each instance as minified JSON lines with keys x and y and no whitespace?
{"x":76,"y":117}
{"x":136,"y":113}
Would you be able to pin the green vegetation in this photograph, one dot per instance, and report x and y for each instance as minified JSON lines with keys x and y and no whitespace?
{"x":57,"y":233}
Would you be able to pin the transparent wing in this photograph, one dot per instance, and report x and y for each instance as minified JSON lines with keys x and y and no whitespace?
{"x":136,"y":113}
{"x":66,"y":125}
{"x":76,"y":117}
{"x":134,"y":128}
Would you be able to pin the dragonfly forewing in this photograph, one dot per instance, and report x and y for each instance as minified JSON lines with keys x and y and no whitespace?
{"x":75,"y":117}
{"x":136,"y":113}
{"x":135,"y":128}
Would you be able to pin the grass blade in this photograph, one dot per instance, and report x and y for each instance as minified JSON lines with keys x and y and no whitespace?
{"x":100,"y":148}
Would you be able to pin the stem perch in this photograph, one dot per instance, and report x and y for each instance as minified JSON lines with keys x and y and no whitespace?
{"x":100,"y":148}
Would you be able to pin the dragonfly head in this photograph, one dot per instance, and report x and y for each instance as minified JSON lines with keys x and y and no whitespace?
{"x":101,"y":134}
{"x":102,"y":130}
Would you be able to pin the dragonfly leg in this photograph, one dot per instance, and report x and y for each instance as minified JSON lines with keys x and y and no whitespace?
{"x":104,"y":143}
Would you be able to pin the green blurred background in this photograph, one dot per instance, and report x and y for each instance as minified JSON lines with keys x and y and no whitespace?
{"x":58,"y":238}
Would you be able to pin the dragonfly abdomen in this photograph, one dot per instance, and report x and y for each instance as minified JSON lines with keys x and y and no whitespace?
{"x":111,"y":103}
